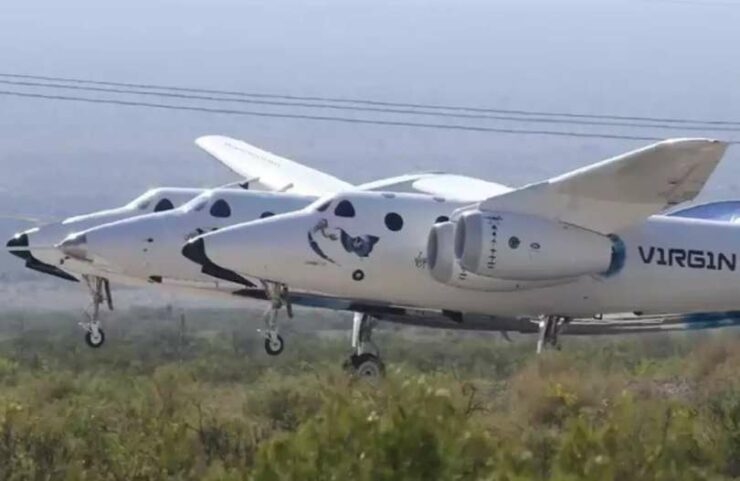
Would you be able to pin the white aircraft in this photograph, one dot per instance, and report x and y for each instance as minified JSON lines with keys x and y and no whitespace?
{"x":586,"y":244}
{"x":259,"y":169}
{"x":36,"y":247}
{"x":144,"y":247}
{"x":154,"y":256}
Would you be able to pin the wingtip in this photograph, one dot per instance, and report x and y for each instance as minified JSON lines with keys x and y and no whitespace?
{"x":714,"y":148}
{"x":694,"y":140}
{"x":204,"y":140}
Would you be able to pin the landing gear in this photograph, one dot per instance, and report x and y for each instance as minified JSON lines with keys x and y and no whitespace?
{"x":274,"y":345}
{"x":95,"y":337}
{"x":550,"y":328}
{"x":367,"y":365}
{"x":365,"y":359}
{"x":100,"y":292}
{"x":278,"y":295}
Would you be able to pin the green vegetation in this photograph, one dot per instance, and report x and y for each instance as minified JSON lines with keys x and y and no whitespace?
{"x":201,"y":401}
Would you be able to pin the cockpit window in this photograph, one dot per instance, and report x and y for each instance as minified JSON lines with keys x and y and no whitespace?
{"x":344,"y":209}
{"x":220,"y":208}
{"x":163,"y":205}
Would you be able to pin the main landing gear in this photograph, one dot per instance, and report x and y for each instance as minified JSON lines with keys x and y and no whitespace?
{"x":365,"y":359}
{"x":549,"y":329}
{"x":278,"y":295}
{"x":100,"y":292}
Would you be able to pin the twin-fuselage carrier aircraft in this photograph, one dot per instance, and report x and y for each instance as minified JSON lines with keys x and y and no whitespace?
{"x":591,"y":251}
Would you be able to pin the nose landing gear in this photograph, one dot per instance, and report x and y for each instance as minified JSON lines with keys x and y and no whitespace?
{"x":274,"y":343}
{"x":94,"y":337}
{"x":365,"y":359}
{"x":279,"y":297}
{"x":100,"y":292}
{"x":549,"y":329}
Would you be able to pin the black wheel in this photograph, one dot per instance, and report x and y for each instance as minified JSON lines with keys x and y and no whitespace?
{"x":368,"y":365}
{"x":274,"y":345}
{"x":95,"y":340}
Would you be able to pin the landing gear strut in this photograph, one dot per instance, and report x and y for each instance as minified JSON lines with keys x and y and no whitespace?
{"x":550,"y":328}
{"x":278,"y":295}
{"x":100,"y":292}
{"x":365,"y":359}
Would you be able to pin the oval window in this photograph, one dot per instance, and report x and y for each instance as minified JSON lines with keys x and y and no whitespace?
{"x":393,"y":222}
{"x":267,"y":214}
{"x":442,"y":218}
{"x":344,"y":209}
{"x":220,"y":208}
{"x":163,"y":205}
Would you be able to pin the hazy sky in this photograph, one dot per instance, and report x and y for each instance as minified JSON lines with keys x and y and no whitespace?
{"x":629,"y":57}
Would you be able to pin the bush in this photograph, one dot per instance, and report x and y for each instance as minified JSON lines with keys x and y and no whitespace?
{"x":206,"y":403}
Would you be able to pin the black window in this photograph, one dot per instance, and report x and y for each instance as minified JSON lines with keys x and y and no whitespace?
{"x":163,"y":205}
{"x":267,"y":214}
{"x":220,"y":208}
{"x":344,"y":209}
{"x":442,"y":218}
{"x":323,"y":206}
{"x":394,"y":221}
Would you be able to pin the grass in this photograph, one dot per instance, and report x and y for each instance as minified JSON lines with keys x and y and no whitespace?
{"x":206,"y":403}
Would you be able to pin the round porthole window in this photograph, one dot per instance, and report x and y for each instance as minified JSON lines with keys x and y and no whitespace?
{"x":394,"y":222}
{"x":221,"y":209}
{"x":358,"y":275}
{"x":514,"y":242}
{"x":344,"y":209}
{"x":164,"y":205}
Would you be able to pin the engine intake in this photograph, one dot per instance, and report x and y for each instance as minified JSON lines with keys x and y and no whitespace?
{"x":524,"y":247}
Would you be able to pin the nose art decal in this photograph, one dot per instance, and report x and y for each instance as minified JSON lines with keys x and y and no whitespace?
{"x":361,"y":245}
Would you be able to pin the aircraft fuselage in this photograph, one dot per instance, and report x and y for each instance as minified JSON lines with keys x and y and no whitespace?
{"x":371,"y":246}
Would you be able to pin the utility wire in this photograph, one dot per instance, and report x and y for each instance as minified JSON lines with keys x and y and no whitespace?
{"x":345,"y":100}
{"x":327,"y":118}
{"x":383,"y":110}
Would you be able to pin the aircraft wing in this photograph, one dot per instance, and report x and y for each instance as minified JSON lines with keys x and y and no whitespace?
{"x":621,"y":191}
{"x":458,"y":187}
{"x":610,"y":324}
{"x":450,"y":186}
{"x":269,"y":171}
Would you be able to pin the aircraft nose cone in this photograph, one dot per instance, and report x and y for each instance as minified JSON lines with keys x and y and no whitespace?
{"x":75,"y":246}
{"x":18,"y":246}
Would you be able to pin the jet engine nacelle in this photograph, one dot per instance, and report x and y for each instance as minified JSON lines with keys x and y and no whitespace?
{"x":445,"y":268}
{"x":524,"y":247}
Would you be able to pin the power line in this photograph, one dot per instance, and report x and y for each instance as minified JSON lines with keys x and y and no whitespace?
{"x":383,"y":110}
{"x":346,"y":100}
{"x":327,"y":118}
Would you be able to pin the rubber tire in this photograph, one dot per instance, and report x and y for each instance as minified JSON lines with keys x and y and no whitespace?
{"x":368,"y":366}
{"x":91,"y":342}
{"x":274,"y":351}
